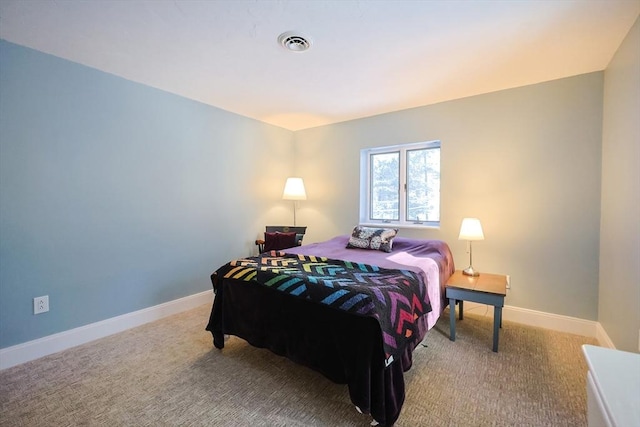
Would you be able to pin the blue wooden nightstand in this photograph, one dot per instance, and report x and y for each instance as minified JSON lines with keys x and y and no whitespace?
{"x":486,"y":288}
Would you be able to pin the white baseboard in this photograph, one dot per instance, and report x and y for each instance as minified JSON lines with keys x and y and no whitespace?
{"x":40,"y":347}
{"x":556,"y":322}
{"x":603,"y":338}
{"x":21,"y":353}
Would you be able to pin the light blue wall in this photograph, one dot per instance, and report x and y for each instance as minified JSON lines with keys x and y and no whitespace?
{"x":619,"y":297}
{"x":526,"y":161}
{"x":115,"y":196}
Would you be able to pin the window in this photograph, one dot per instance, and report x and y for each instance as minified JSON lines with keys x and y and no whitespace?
{"x":401,"y":184}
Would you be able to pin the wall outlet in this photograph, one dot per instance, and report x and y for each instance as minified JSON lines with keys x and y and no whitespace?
{"x":41,"y":304}
{"x":508,"y":282}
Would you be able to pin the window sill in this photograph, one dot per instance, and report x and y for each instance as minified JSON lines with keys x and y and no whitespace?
{"x":399,"y":225}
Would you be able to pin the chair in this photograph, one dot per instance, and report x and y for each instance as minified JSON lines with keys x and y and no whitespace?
{"x":278,"y":237}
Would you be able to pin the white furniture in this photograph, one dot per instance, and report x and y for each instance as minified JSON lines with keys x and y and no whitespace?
{"x":613,"y":387}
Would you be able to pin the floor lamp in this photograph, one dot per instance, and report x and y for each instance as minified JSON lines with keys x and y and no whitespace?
{"x":294,"y":190}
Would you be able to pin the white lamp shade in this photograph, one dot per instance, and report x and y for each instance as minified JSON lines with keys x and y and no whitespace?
{"x":294,"y":189}
{"x":471,"y":229}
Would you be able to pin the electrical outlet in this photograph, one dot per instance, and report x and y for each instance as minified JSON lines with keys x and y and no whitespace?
{"x":41,"y":304}
{"x":508,"y":282}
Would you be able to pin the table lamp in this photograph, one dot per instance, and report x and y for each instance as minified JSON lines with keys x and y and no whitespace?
{"x":470,"y":230}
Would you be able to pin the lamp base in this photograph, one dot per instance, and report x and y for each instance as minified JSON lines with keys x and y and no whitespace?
{"x":470,"y":271}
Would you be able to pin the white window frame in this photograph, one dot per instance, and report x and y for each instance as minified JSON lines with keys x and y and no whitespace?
{"x":365,"y":185}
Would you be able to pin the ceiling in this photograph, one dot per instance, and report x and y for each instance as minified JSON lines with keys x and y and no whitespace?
{"x":367,"y":57}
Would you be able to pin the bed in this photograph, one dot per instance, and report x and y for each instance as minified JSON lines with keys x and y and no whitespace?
{"x":332,"y":325}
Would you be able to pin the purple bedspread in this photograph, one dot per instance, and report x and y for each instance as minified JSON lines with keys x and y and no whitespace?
{"x":336,"y":249}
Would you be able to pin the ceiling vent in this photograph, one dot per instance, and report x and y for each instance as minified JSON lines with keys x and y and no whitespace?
{"x":294,"y":42}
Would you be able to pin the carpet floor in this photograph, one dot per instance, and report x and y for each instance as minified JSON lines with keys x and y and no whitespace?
{"x":167,"y":373}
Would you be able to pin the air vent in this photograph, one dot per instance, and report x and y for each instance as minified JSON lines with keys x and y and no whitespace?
{"x":294,"y":42}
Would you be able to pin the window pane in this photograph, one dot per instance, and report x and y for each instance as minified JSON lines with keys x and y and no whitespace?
{"x":423,"y":185}
{"x":401,"y":183}
{"x":385,"y":186}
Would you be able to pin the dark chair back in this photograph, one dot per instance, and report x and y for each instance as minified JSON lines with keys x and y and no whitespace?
{"x":282,"y":229}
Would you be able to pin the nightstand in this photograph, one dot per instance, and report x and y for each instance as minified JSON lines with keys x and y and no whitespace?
{"x":486,"y":288}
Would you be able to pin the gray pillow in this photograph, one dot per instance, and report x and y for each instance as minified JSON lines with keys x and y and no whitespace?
{"x":380,"y":239}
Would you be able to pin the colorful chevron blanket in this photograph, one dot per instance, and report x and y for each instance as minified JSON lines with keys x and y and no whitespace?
{"x":395,"y":298}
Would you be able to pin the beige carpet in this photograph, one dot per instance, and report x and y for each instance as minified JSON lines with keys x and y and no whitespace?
{"x":168,"y":373}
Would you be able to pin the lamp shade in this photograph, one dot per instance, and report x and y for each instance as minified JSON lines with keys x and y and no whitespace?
{"x":294,"y":189}
{"x":471,"y":229}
